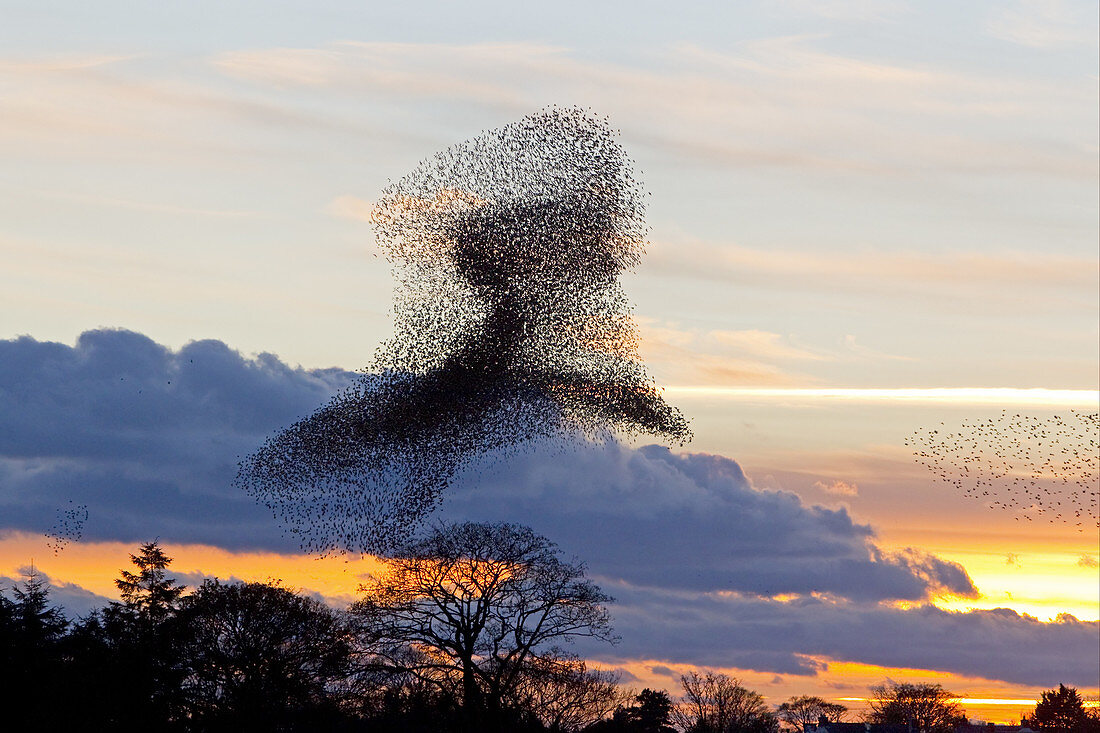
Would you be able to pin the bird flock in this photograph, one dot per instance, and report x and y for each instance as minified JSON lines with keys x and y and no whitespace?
{"x":510,"y":326}
{"x":69,"y":526}
{"x":1036,"y":468}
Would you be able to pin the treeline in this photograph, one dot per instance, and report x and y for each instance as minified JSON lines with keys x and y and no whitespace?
{"x":463,"y":631}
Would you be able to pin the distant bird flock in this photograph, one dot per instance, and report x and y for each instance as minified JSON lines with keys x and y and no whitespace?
{"x":68,"y":528}
{"x":510,"y":326}
{"x":1036,"y":468}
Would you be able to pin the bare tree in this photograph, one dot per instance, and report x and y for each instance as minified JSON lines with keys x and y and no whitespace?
{"x":924,"y":707}
{"x":715,"y":703}
{"x":799,"y":712}
{"x":473,"y":608}
{"x":564,"y":694}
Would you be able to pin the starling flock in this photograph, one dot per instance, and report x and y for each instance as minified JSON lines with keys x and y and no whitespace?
{"x":510,"y":326}
{"x":1035,"y":468}
{"x":69,"y":526}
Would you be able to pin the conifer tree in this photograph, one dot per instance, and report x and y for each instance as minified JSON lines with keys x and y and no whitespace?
{"x":150,"y":593}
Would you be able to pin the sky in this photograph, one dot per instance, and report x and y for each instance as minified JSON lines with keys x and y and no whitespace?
{"x":868,"y":217}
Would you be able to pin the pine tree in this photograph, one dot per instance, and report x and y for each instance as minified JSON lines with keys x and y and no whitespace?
{"x":32,"y":666}
{"x":149,"y":593}
{"x":138,"y":634}
{"x":39,"y":624}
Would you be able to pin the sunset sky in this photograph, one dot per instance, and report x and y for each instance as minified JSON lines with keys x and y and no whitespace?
{"x":868,"y":217}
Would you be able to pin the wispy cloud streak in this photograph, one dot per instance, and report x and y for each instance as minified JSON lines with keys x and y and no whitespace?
{"x":1038,"y":396}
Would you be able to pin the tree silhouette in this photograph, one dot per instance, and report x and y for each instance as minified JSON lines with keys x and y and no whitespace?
{"x":259,"y":657}
{"x":30,"y":655}
{"x":129,"y":645}
{"x":39,"y":625}
{"x":7,"y":630}
{"x":803,"y":710}
{"x":473,"y":608}
{"x":925,"y":707}
{"x":563,"y":694}
{"x":715,"y":703}
{"x":149,"y":593}
{"x":1062,"y":711}
{"x":650,"y":712}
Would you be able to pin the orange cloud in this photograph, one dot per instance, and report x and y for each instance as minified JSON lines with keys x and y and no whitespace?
{"x":838,"y":488}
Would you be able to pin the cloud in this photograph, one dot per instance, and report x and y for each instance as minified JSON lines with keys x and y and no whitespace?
{"x":721,"y":357}
{"x":707,"y":568}
{"x":1045,"y":24}
{"x":864,"y":352}
{"x":775,"y":102}
{"x":406,"y":70}
{"x":764,"y":344}
{"x":140,"y":205}
{"x":624,"y":675}
{"x":83,"y":106}
{"x":1087,"y":561}
{"x":717,"y":357}
{"x":693,"y":521}
{"x":838,"y":488}
{"x":914,"y":273}
{"x":768,"y":636}
{"x":147,"y":437}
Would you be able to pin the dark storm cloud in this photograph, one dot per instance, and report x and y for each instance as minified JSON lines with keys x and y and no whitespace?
{"x":148,"y":438}
{"x":769,"y":636}
{"x":694,"y":521}
{"x":118,"y":394}
{"x":688,"y":547}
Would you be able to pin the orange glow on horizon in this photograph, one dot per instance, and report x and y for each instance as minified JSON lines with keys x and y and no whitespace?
{"x":95,"y":565}
{"x":849,"y":683}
